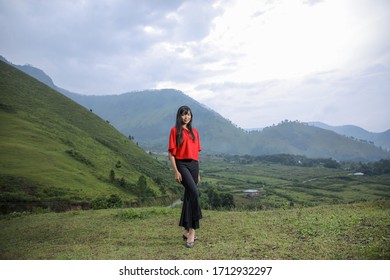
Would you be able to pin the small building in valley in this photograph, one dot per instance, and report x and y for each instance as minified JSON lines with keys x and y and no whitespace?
{"x":251,"y":193}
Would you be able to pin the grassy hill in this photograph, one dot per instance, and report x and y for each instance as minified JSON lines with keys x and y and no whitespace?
{"x":338,"y":232}
{"x":53,"y":149}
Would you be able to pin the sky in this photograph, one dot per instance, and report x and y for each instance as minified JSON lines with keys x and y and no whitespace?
{"x":255,"y":62}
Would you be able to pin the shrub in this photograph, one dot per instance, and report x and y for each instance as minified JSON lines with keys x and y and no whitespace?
{"x":99,"y":203}
{"x":79,"y":157}
{"x":114,"y":201}
{"x":218,"y":200}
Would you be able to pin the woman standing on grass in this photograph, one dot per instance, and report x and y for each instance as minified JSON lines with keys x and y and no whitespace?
{"x":183,"y":150}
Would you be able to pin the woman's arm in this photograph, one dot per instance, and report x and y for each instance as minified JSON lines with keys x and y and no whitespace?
{"x":173,"y":163}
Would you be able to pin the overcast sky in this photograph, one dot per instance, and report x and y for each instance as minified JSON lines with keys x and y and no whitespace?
{"x":256,"y":62}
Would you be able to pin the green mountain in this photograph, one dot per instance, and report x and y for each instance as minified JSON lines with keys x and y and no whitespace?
{"x":302,"y":139}
{"x":148,"y":115}
{"x":52,"y":149}
{"x":381,"y":139}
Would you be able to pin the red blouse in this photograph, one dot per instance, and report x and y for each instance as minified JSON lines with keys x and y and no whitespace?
{"x":189,"y":149}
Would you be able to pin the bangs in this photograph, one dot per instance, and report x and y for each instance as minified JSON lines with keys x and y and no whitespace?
{"x":185,"y":111}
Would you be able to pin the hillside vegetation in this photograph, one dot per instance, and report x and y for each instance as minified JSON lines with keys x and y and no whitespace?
{"x":339,"y":232}
{"x":54,"y":150}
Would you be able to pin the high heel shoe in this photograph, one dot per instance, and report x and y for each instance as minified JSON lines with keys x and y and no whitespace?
{"x":185,"y":238}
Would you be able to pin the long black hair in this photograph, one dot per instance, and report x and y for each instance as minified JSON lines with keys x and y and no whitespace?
{"x":183,"y":110}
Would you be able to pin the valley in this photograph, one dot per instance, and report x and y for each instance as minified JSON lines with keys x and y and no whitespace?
{"x":275,"y":185}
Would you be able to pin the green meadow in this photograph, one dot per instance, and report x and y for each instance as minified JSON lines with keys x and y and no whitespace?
{"x":358,"y":231}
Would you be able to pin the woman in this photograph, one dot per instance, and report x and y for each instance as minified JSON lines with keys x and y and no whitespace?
{"x":183,"y":150}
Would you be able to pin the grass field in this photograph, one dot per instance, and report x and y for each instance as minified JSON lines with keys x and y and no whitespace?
{"x":336,"y":232}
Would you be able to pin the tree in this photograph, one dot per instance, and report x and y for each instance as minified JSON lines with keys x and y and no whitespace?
{"x":141,"y":184}
{"x":142,"y":189}
{"x":112,"y":176}
{"x":114,"y":201}
{"x":122,"y":182}
{"x":227,"y":201}
{"x":214,"y":198}
{"x":219,"y":200}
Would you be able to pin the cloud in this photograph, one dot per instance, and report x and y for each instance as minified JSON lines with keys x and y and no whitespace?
{"x":255,"y":62}
{"x":101,"y":40}
{"x":333,"y":97}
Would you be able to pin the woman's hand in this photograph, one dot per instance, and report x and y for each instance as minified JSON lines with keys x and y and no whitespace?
{"x":178,"y":177}
{"x":198,"y":179}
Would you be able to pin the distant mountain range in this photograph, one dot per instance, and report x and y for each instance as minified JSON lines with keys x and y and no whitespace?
{"x":381,"y":139}
{"x":148,"y":115}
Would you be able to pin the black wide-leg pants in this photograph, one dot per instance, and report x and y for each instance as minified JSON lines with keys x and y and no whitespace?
{"x":191,"y":212}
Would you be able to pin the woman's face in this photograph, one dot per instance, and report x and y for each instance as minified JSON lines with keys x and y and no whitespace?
{"x":186,"y":118}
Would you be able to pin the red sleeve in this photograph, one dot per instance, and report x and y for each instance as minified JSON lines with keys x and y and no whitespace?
{"x":172,"y":141}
